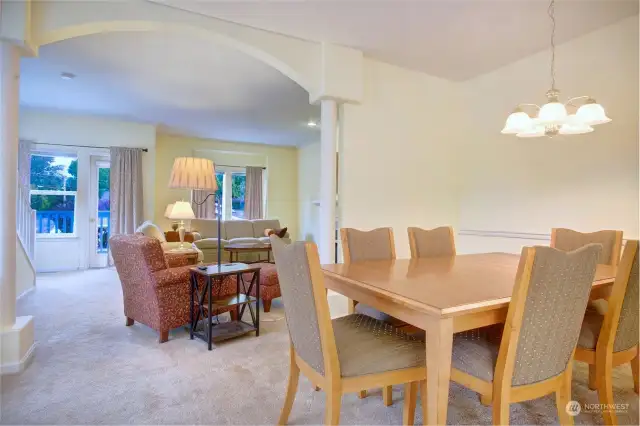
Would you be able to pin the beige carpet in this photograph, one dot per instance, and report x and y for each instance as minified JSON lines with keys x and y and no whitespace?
{"x":91,"y":369}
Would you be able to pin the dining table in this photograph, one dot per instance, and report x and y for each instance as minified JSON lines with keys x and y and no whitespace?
{"x":442,"y":296}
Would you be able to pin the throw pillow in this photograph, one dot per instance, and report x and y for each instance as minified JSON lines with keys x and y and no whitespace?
{"x":279,"y":232}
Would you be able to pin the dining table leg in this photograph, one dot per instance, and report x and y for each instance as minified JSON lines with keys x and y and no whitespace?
{"x":439,"y":344}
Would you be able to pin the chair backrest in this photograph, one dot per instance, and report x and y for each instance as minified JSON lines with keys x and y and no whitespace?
{"x":568,"y":240}
{"x":545,"y":314}
{"x":435,"y":242}
{"x":376,"y":244}
{"x":620,"y":326}
{"x":136,"y":258}
{"x":305,"y":304}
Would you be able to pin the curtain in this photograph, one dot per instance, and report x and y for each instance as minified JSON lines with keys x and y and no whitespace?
{"x":253,"y":193}
{"x":206,"y":210}
{"x":24,"y":166}
{"x":125,"y":190}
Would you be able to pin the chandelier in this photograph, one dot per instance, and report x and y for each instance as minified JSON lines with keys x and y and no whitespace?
{"x":554,"y":118}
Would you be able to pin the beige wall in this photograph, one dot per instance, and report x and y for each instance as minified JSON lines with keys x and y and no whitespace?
{"x":281,"y":173}
{"x":397,"y":153}
{"x":309,"y":191}
{"x":527,"y":186}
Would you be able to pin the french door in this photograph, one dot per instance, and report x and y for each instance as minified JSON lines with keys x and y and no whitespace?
{"x":99,"y":212}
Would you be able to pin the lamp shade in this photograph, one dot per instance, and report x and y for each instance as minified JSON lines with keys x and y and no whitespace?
{"x":536,"y":131}
{"x":517,"y":122}
{"x":574,"y":126}
{"x":592,"y":114}
{"x":193,"y":173}
{"x":552,"y":113}
{"x":167,"y":211}
{"x":182,"y":211}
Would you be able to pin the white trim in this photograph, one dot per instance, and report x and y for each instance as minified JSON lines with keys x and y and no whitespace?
{"x":27,"y":291}
{"x":52,"y":192}
{"x":20,"y":366}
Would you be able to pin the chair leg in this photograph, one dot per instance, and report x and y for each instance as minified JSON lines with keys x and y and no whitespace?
{"x":292,"y":388}
{"x":233,"y":314}
{"x":593,"y":377}
{"x":635,"y":369}
{"x":423,"y":400}
{"x":362,"y":394}
{"x":332,"y":409}
{"x":129,"y":322}
{"x":409,"y":409}
{"x":485,"y":400}
{"x":605,"y":390}
{"x":266,"y":305}
{"x":563,"y":396}
{"x":164,"y":336}
{"x":387,"y":396}
{"x":500,"y":408}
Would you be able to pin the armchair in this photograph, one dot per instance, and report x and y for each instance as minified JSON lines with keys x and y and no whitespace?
{"x":154,"y":293}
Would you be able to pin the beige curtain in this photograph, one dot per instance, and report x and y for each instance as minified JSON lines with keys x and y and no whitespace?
{"x":125,"y":190}
{"x":253,"y":193}
{"x":206,"y":210}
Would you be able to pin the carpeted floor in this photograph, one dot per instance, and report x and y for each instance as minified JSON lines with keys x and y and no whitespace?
{"x":91,"y":369}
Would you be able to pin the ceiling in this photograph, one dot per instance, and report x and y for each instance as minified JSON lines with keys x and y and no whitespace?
{"x":165,"y":79}
{"x":451,"y":39}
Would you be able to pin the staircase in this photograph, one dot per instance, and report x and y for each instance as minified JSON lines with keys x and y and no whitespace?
{"x":26,"y":234}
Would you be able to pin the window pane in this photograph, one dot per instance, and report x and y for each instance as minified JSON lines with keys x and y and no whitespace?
{"x":57,"y":173}
{"x":238,"y":181}
{"x":104,"y":214}
{"x":54,"y":213}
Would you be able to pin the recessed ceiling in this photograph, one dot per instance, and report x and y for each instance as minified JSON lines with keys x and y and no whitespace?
{"x":182,"y":84}
{"x":451,"y":39}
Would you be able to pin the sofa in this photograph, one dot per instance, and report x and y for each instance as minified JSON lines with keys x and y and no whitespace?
{"x":232,"y":231}
{"x":150,"y":229}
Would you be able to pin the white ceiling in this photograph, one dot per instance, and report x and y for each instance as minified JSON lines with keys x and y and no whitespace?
{"x":452,"y":39}
{"x":183,"y":85}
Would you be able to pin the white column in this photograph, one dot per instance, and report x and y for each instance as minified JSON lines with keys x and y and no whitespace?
{"x":328,"y":144}
{"x":16,"y":333}
{"x":9,"y":102}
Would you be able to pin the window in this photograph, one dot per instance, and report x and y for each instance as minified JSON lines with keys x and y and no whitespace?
{"x":54,"y":185}
{"x":238,"y":181}
{"x":231,"y":190}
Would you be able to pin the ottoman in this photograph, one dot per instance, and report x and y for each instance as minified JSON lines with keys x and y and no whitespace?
{"x":269,"y":284}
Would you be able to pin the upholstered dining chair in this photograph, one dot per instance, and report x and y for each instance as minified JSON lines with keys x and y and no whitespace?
{"x":435,"y":242}
{"x":609,"y":340}
{"x":544,"y":317}
{"x":567,"y":240}
{"x":377,"y":244}
{"x":345,"y":354}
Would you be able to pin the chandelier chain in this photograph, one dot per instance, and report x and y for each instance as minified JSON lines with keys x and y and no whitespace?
{"x":551,"y":12}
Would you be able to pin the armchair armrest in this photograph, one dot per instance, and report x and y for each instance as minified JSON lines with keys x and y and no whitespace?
{"x":175,"y":260}
{"x":173,"y":276}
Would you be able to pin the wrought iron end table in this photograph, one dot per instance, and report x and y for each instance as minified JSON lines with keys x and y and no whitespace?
{"x":202,"y":304}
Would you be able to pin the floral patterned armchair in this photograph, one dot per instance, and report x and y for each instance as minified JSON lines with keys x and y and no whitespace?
{"x":155,"y":287}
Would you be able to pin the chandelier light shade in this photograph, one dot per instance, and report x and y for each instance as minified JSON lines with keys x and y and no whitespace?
{"x":517,"y":122}
{"x":555,"y":117}
{"x":193,"y":173}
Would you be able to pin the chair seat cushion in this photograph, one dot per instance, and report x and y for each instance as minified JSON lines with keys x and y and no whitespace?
{"x":590,"y":330}
{"x":367,"y":310}
{"x":368,"y":346}
{"x":476,"y":356}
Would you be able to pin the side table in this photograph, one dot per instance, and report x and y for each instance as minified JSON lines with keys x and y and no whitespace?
{"x":202,"y":304}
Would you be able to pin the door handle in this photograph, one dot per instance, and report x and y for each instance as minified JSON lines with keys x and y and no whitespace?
{"x":92,"y":220}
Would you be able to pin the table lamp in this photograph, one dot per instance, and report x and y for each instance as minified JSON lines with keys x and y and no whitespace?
{"x":197,"y":174}
{"x":167,"y":212}
{"x":181,"y":211}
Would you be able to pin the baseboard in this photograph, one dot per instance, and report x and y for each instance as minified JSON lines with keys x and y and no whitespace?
{"x":20,"y":366}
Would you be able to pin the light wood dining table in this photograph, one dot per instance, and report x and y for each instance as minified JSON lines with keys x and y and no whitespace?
{"x":442,"y":296}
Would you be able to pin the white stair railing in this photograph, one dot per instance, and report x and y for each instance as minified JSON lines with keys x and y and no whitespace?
{"x":26,"y":223}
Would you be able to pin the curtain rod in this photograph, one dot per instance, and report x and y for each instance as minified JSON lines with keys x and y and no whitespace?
{"x":87,"y":146}
{"x":240,"y":167}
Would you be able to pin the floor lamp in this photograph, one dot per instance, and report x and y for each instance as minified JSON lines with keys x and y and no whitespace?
{"x":197,"y":174}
